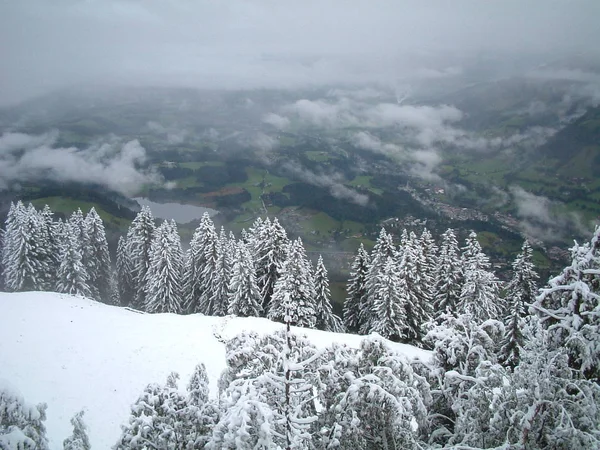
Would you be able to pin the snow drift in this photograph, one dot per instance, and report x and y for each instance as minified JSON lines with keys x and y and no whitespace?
{"x":74,"y":353}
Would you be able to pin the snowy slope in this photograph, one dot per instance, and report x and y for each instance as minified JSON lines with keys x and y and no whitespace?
{"x":74,"y":353}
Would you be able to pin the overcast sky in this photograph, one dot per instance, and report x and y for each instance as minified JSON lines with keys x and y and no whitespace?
{"x":282,"y":43}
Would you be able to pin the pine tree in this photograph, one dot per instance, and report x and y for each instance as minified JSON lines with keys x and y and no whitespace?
{"x":156,"y":419}
{"x":449,"y":278}
{"x":139,"y":239}
{"x":383,"y":251}
{"x":244,"y":296}
{"x":163,"y":278}
{"x":268,"y":243}
{"x":389,"y":304}
{"x":221,"y":277}
{"x":195,"y":285}
{"x":125,"y":274}
{"x":381,"y":403}
{"x":52,"y":244}
{"x":99,"y":265}
{"x":520,"y":293}
{"x":80,"y":230}
{"x":72,"y":277}
{"x":326,"y":319}
{"x":357,"y":291}
{"x":429,"y":255}
{"x":201,"y":414}
{"x":415,"y":282}
{"x":21,"y":424}
{"x":79,"y":439}
{"x":568,"y":309}
{"x":294,"y":291}
{"x":25,"y":257}
{"x":479,"y":294}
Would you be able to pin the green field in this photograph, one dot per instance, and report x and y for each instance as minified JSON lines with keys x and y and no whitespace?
{"x":66,"y":206}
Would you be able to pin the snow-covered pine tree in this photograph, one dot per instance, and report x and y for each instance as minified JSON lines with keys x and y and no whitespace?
{"x":157,"y":419}
{"x":388,"y":317}
{"x":326,"y":319}
{"x":163,"y":278}
{"x":221,"y":277}
{"x":52,"y":244}
{"x":294,"y":291}
{"x":569,"y":309}
{"x":125,"y":274}
{"x":77,"y":221}
{"x":139,"y":240}
{"x":479,"y":294}
{"x":211,"y":278}
{"x":99,"y":266}
{"x":202,"y":413}
{"x":416,"y":286}
{"x":72,"y":276}
{"x":79,"y":439}
{"x":25,"y":259}
{"x":381,"y":404}
{"x":449,"y":279}
{"x":256,"y":410}
{"x":194,"y":284}
{"x":244,"y":295}
{"x":383,"y":251}
{"x":520,"y":293}
{"x":268,"y":243}
{"x":356,"y":300}
{"x":21,"y":424}
{"x":429,"y":251}
{"x":541,"y":405}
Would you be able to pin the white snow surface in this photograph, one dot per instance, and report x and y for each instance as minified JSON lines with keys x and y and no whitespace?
{"x":74,"y":353}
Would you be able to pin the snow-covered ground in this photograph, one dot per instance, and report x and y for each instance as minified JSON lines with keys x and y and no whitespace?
{"x":75,"y":353}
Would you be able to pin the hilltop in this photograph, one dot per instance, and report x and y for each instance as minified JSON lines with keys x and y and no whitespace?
{"x":74,"y":353}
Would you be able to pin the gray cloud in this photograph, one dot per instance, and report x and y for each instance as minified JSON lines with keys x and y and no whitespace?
{"x":279,"y":122}
{"x":544,"y":219}
{"x":113,"y":164}
{"x":332,"y":181}
{"x":236,"y":44}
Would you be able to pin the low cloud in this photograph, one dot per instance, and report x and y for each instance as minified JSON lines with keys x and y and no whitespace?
{"x":114,"y":164}
{"x":331,"y":181}
{"x":279,"y":122}
{"x":543,"y":219}
{"x":174,"y":136}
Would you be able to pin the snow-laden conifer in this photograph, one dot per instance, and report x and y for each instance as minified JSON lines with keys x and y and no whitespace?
{"x":99,"y":266}
{"x":79,"y":439}
{"x":25,"y":258}
{"x":163,"y":278}
{"x":326,"y":319}
{"x":356,"y":300}
{"x":520,"y":294}
{"x":388,"y":317}
{"x":381,"y":403}
{"x":221,"y":276}
{"x":139,"y":240}
{"x":125,"y":273}
{"x":21,"y":424}
{"x":268,"y":242}
{"x":569,"y":308}
{"x":449,"y":278}
{"x":72,"y":277}
{"x":416,"y":288}
{"x":195,"y":285}
{"x":479,"y":294}
{"x":294,"y":291}
{"x":383,"y":251}
{"x":157,"y":419}
{"x":244,"y":296}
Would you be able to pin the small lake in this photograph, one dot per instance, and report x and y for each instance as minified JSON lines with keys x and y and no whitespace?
{"x":179,"y":212}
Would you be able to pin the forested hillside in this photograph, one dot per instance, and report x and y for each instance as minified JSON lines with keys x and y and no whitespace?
{"x":512,"y":366}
